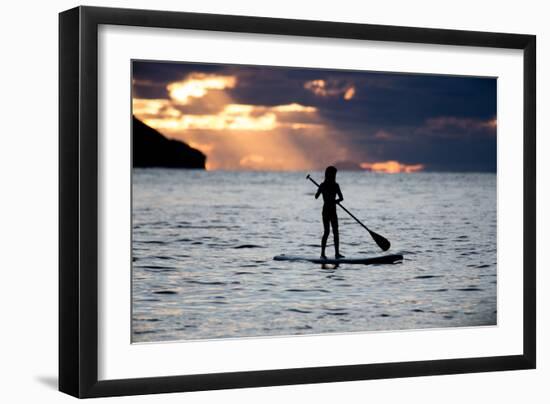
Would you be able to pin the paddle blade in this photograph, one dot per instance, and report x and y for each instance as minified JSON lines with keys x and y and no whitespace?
{"x":382,"y":242}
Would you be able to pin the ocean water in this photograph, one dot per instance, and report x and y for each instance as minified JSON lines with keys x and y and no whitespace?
{"x":203,"y":247}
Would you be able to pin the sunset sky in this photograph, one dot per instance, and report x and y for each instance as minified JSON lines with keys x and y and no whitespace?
{"x":271,"y":118}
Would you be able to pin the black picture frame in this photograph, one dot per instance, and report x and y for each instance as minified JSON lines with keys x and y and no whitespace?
{"x":78,"y":201}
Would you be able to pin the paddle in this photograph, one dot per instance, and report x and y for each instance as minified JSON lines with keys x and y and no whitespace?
{"x":382,"y":242}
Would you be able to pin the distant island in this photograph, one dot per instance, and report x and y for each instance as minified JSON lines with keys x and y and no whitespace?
{"x":152,"y":149}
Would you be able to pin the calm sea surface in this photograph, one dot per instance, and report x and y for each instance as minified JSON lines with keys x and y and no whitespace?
{"x":203,"y":247}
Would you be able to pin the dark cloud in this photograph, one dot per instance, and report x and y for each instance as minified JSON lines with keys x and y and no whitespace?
{"x":151,"y":77}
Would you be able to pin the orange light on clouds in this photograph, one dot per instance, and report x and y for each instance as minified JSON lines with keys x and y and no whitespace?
{"x":492,"y":123}
{"x":317,"y":87}
{"x":300,"y":126}
{"x":293,"y":107}
{"x":162,"y":114}
{"x":392,"y":167}
{"x":204,"y":147}
{"x":252,"y":161}
{"x":350,"y":92}
{"x":443,"y":122}
{"x":196,"y":85}
{"x":325,"y":88}
{"x":239,"y":136}
{"x":154,"y":107}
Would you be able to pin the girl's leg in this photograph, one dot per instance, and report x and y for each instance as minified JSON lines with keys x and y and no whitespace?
{"x":326,"y":227}
{"x":336,"y":234}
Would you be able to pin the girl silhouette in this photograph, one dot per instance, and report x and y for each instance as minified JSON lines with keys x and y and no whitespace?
{"x":330,"y":189}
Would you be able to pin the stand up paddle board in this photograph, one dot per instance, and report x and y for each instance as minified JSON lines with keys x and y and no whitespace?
{"x":384,"y":259}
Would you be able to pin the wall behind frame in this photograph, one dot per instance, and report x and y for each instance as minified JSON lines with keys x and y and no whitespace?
{"x":28,"y":217}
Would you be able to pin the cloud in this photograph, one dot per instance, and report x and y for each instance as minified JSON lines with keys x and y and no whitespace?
{"x":350,"y":92}
{"x":145,"y":83}
{"x":384,"y":135}
{"x":202,"y":111}
{"x":451,"y":126}
{"x":154,"y":108}
{"x":392,"y":167}
{"x":330,"y":88}
{"x":163,"y":114}
{"x":304,"y":118}
{"x":197,"y":85}
{"x":293,"y":107}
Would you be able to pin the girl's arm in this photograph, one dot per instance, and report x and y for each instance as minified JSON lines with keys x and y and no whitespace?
{"x":318,"y":191}
{"x":339,"y":192}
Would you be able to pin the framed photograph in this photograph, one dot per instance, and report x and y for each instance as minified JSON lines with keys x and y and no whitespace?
{"x":251,"y":201}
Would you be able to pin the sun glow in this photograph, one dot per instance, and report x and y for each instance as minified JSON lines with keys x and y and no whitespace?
{"x":294,"y":107}
{"x":202,"y":113}
{"x":162,"y":114}
{"x":392,"y":167}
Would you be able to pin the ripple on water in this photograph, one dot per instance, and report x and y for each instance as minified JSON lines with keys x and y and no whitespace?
{"x":405,"y":253}
{"x":299,"y":311}
{"x":307,"y":290}
{"x":140,"y":332}
{"x":236,"y":267}
{"x":159,"y":242}
{"x":157,"y":268}
{"x":186,"y":326}
{"x":213,"y":283}
{"x":428,"y":276}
